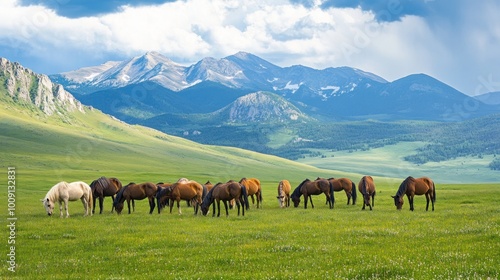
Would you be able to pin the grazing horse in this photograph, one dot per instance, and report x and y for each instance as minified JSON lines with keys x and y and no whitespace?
{"x":65,"y":192}
{"x":225,"y":192}
{"x":104,"y":187}
{"x":367,"y":188}
{"x":134,"y":191}
{"x":186,"y":190}
{"x":308,"y":188}
{"x":163,"y":195}
{"x":253,"y":187}
{"x":344,"y":184}
{"x":284,"y":193}
{"x":411,"y":187}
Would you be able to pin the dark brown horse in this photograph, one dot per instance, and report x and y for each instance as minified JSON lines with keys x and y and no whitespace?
{"x":411,"y":187}
{"x":191,"y":191}
{"x":283,"y":197}
{"x":308,"y":188}
{"x":162,"y":195}
{"x":344,"y":184}
{"x":225,"y":192}
{"x":253,"y":188}
{"x":103,"y":187}
{"x":134,"y":191}
{"x":366,"y":187}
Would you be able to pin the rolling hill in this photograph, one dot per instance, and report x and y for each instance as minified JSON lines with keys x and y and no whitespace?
{"x":84,"y":144}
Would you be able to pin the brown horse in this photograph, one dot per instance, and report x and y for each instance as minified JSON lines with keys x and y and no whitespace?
{"x":136,"y":191}
{"x":225,"y":192}
{"x":209,"y":185}
{"x":253,"y":187}
{"x":308,"y":188}
{"x":344,"y":184}
{"x":186,"y":190}
{"x":367,"y":188}
{"x":411,"y":187}
{"x":284,"y":193}
{"x":104,"y":187}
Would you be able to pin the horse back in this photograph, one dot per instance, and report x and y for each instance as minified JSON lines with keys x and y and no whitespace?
{"x":423,"y":185}
{"x":77,"y":190}
{"x":367,"y":183}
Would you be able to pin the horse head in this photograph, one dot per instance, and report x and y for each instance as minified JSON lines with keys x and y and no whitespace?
{"x":49,"y":206}
{"x":398,"y":201}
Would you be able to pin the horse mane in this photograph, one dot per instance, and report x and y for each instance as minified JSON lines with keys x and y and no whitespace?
{"x":119,"y":196}
{"x":296,"y":192}
{"x":208,"y":197}
{"x":403,"y":186}
{"x":363,"y":187}
{"x":52,"y":193}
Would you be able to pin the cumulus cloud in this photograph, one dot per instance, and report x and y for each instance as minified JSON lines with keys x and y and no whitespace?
{"x":392,"y":41}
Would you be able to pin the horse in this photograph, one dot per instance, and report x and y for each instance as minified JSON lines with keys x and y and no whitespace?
{"x":104,"y":187}
{"x":344,"y":184}
{"x":308,"y":188}
{"x":284,"y":193}
{"x":209,"y":185}
{"x":253,"y":187}
{"x":367,"y":188}
{"x":185,"y":190}
{"x":226,"y":192}
{"x":65,"y":192}
{"x":411,"y":187}
{"x":163,"y":195}
{"x":134,"y":191}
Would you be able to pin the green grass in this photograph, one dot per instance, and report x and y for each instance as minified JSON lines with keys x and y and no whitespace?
{"x":461,"y":239}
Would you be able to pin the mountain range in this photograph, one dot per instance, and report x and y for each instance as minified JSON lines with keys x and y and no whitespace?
{"x":151,"y":85}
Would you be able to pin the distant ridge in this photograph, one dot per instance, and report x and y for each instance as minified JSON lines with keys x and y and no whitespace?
{"x":24,"y":86}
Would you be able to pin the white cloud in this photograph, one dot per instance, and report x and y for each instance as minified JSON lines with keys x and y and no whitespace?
{"x":281,"y":32}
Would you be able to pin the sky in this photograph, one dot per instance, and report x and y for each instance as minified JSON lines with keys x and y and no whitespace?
{"x":455,"y":41}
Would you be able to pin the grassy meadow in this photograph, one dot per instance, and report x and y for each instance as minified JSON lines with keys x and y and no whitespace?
{"x":460,"y":240}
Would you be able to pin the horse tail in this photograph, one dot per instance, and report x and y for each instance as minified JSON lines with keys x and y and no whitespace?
{"x":354,"y":193}
{"x":332,"y":193}
{"x":90,"y":204}
{"x":245,"y":196}
{"x":433,"y":192}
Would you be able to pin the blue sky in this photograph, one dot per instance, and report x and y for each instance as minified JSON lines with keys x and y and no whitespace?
{"x":454,"y":41}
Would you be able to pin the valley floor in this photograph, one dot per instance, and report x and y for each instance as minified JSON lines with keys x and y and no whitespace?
{"x":388,"y":161}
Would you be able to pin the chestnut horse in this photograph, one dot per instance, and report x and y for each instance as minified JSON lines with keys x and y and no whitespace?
{"x":367,"y":188}
{"x":411,"y":187}
{"x":225,"y":192}
{"x":344,"y":184}
{"x":103,"y":187}
{"x":136,"y":191}
{"x":284,"y":193}
{"x":186,"y":190}
{"x":253,"y":187}
{"x":308,"y":188}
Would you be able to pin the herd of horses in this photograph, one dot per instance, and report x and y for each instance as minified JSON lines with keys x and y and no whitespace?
{"x":230,"y":193}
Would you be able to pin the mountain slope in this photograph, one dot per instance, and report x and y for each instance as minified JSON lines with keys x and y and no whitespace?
{"x":86,"y":144}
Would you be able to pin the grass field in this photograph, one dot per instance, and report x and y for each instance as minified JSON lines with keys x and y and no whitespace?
{"x":460,"y":240}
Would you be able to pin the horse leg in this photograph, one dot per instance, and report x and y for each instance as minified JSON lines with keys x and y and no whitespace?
{"x":128,"y":204}
{"x":225,"y":206}
{"x":101,"y":201}
{"x":93,"y":204}
{"x":218,"y":208}
{"x":311,"y":199}
{"x":133,"y":206}
{"x":410,"y":199}
{"x":179,"y":206}
{"x":213,"y":209}
{"x":66,"y":207}
{"x":171,"y":205}
{"x":85,"y":206}
{"x":151,"y":205}
{"x":112,"y":204}
{"x":242,"y":206}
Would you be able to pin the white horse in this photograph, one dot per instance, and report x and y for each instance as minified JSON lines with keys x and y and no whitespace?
{"x":64,"y":192}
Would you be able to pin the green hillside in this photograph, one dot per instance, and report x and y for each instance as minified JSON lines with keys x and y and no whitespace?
{"x":84,"y":146}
